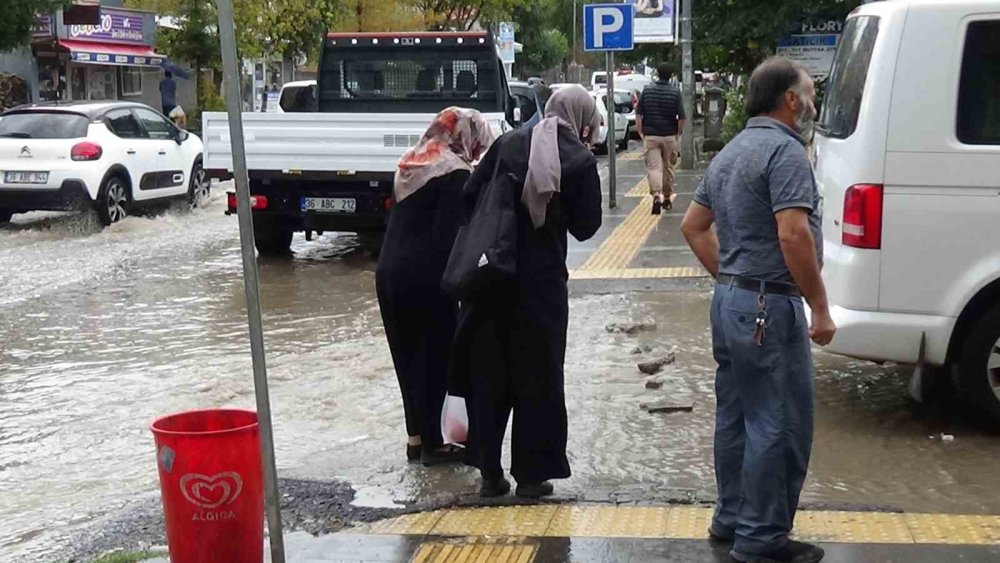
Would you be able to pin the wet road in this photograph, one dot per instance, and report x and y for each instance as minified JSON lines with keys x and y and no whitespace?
{"x":102,"y":331}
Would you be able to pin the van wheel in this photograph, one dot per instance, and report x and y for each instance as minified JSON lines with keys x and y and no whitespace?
{"x":979,"y":365}
{"x":112,"y":201}
{"x":271,"y":239}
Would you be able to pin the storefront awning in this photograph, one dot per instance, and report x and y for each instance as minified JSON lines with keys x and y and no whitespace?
{"x":111,"y":53}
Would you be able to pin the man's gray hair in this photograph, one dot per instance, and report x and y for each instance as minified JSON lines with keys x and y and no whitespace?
{"x":769,"y":82}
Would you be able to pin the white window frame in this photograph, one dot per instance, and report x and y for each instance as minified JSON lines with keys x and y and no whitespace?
{"x":136,"y":71}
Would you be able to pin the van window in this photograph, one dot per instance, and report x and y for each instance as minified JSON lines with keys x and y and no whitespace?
{"x":847,"y":77}
{"x":979,"y":90}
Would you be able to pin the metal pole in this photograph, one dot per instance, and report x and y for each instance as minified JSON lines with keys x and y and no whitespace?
{"x":272,"y":501}
{"x":687,"y":63}
{"x":611,"y":143}
{"x":575,"y":15}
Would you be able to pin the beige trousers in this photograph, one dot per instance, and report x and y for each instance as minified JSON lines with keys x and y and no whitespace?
{"x":661,"y":158}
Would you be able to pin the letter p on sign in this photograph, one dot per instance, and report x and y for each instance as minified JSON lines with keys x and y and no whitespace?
{"x":608,"y":27}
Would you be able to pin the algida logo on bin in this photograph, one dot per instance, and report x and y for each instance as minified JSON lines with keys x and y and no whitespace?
{"x":210,"y":493}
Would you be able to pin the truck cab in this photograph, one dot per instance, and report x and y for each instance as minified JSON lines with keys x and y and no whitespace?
{"x":333,"y":169}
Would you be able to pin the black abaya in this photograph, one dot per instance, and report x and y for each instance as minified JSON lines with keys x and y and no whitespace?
{"x":511,"y":344}
{"x":419,"y":318}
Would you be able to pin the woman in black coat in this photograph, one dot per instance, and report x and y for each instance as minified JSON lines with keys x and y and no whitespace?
{"x":511,"y":344}
{"x":419,"y":318}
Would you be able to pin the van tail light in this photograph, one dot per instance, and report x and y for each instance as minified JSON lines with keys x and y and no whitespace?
{"x":257,"y":202}
{"x":863,"y":216}
{"x":388,"y":203}
{"x":86,"y":152}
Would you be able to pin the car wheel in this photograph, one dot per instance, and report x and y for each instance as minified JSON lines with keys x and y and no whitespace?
{"x":200,"y":188}
{"x":112,"y":201}
{"x":271,"y":239}
{"x":978,"y":365}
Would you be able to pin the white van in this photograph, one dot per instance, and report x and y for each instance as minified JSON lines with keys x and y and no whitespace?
{"x":908,"y":163}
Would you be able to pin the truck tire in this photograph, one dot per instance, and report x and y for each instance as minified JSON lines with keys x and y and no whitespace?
{"x":272,"y":239}
{"x":978,"y":365}
{"x":372,"y":242}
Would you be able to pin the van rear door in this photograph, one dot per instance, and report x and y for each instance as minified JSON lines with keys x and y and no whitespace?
{"x":850,"y":153}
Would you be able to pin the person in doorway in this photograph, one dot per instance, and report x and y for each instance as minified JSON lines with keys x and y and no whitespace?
{"x":766,"y":254}
{"x":168,"y":92}
{"x":660,"y":119}
{"x":511,"y":344}
{"x":419,"y":317}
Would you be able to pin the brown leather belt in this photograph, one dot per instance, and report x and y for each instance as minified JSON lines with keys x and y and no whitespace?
{"x":751,"y":284}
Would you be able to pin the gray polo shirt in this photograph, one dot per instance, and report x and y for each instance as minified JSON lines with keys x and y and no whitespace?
{"x":759,"y":173}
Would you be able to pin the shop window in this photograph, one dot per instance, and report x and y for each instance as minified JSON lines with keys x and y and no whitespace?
{"x":131,"y":78}
{"x":102,"y":83}
{"x":78,"y":82}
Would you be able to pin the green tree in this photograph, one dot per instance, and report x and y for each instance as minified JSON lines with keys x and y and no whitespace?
{"x":18,"y":18}
{"x":463,"y":15}
{"x":736,"y":35}
{"x":378,"y":15}
{"x":546,"y":51}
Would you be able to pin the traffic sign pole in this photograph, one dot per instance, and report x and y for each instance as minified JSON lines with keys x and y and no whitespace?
{"x":611,"y":143}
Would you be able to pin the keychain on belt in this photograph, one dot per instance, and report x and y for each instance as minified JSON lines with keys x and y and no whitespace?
{"x":758,"y":333}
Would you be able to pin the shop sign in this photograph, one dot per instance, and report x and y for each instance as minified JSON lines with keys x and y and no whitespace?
{"x":42,"y":27}
{"x":119,"y":26}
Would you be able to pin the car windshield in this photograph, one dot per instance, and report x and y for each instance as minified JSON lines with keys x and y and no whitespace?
{"x":407,"y":79}
{"x":43,"y":125}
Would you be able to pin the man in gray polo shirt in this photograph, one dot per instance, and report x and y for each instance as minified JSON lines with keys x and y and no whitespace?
{"x":766,"y":254}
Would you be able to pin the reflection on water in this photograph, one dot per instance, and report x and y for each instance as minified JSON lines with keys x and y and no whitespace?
{"x":103,"y":330}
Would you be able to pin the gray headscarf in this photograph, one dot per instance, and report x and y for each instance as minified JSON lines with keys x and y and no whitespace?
{"x":571,"y":107}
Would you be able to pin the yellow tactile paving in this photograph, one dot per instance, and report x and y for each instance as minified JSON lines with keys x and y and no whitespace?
{"x":640,"y":190}
{"x":852,"y":527}
{"x":407,"y":524}
{"x":476,"y":550}
{"x":639,"y":273}
{"x":492,"y":525}
{"x":631,"y":156}
{"x":687,"y":522}
{"x":609,"y":522}
{"x":501,"y":521}
{"x":954,"y":528}
{"x":618,"y":250}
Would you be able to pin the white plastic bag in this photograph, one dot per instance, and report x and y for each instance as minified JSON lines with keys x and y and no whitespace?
{"x":454,"y":420}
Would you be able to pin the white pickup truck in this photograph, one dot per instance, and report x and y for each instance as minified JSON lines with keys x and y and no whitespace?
{"x":332,"y":170}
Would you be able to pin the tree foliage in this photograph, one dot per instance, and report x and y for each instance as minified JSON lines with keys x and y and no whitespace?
{"x":736,"y":35}
{"x":18,"y":18}
{"x":463,"y":15}
{"x":378,"y":15}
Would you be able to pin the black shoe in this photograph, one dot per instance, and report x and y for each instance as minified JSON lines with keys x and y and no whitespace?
{"x":668,"y":204}
{"x":413,"y":452}
{"x":535,"y":490}
{"x":447,"y":454}
{"x":792,"y":552}
{"x":719,"y":539}
{"x":657,"y":206}
{"x":492,"y":488}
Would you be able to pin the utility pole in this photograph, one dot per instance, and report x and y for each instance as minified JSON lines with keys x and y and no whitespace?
{"x":687,"y":76}
{"x":574,"y":31}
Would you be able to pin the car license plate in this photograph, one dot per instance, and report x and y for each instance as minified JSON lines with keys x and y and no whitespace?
{"x":329,"y":204}
{"x":25,"y":177}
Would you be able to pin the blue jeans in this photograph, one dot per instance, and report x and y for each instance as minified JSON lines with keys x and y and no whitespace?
{"x":763,"y":417}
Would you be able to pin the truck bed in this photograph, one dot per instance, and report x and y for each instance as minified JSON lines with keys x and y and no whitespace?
{"x":317,"y":142}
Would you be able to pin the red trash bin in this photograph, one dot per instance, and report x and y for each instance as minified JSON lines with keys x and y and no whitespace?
{"x":212,"y":485}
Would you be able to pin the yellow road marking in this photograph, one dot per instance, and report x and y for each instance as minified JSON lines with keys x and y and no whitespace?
{"x":676,"y":522}
{"x":631,"y":156}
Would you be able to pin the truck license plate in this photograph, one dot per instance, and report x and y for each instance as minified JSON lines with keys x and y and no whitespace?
{"x":329,"y":204}
{"x":25,"y":177}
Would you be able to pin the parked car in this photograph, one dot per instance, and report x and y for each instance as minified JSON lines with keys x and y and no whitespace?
{"x":620,"y":124}
{"x":111,"y":157}
{"x":911,"y":185}
{"x":531,"y":100}
{"x":297,"y":97}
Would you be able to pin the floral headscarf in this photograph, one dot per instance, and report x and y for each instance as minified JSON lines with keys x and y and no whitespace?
{"x":455,"y":139}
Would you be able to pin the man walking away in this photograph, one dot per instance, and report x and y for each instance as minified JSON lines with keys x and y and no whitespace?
{"x":766,"y":254}
{"x":660,"y":119}
{"x":168,"y":92}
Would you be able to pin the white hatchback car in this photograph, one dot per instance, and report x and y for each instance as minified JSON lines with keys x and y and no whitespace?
{"x":908,"y":162}
{"x":111,"y":157}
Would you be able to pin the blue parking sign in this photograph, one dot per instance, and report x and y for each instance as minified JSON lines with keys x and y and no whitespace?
{"x":608,"y":27}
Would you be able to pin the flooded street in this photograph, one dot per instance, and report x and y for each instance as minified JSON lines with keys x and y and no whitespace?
{"x":103,"y":331}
